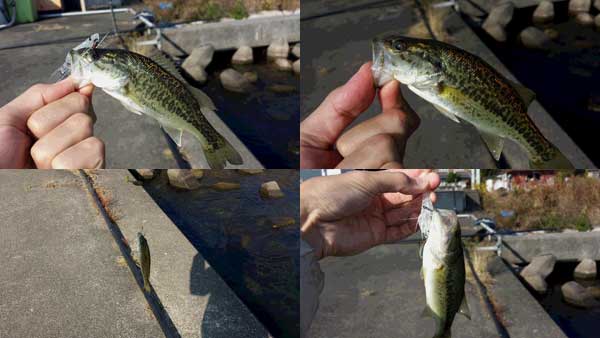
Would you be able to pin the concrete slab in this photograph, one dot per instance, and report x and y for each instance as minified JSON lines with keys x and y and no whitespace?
{"x":254,"y":32}
{"x":379,"y":293}
{"x":61,"y":275}
{"x":198,"y":301}
{"x":566,"y":246}
{"x":520,"y":312}
{"x":344,"y":43}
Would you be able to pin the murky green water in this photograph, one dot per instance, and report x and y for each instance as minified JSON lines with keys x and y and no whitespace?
{"x":232,"y":230}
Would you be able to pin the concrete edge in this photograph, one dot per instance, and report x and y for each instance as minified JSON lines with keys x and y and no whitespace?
{"x":517,"y":306}
{"x":231,"y":34}
{"x":542,"y":119}
{"x":566,"y":246}
{"x":158,"y":310}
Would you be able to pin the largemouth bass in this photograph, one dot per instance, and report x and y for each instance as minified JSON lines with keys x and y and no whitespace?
{"x":155,"y":88}
{"x":144,"y":254}
{"x":443,"y":272}
{"x":463,"y":87}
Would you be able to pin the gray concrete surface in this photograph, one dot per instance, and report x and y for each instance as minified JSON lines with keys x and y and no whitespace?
{"x":521,"y":314}
{"x":132,"y":141}
{"x":198,"y":301}
{"x":255,"y":32}
{"x":344,"y":43}
{"x":379,"y":293}
{"x":61,"y":274}
{"x":565,"y":246}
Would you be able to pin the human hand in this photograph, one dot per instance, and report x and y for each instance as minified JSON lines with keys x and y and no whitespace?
{"x":379,"y":142}
{"x":50,"y":126}
{"x":347,"y":214}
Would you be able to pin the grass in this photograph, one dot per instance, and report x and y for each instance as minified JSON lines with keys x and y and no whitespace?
{"x":212,"y":10}
{"x":570,"y":203}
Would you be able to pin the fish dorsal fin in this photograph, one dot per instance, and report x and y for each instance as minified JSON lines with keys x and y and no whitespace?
{"x":203,"y":99}
{"x":464,"y":308}
{"x":494,"y":143}
{"x":175,"y":134}
{"x":168,"y":65}
{"x":447,"y":113}
{"x":526,"y":94}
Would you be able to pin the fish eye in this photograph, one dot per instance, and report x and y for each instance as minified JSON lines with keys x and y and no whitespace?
{"x":399,"y":45}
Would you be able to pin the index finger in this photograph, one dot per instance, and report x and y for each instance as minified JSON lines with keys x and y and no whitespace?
{"x":339,"y":109}
{"x":18,"y":111}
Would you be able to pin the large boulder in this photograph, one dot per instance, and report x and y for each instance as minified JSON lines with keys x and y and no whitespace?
{"x":195,"y":64}
{"x":146,"y":174}
{"x":536,"y":282}
{"x":536,"y":272}
{"x":597,"y":5}
{"x":270,"y":190}
{"x":534,"y":38}
{"x":278,"y":49}
{"x":224,"y":186}
{"x":579,"y":6}
{"x":544,"y":12}
{"x":501,"y":13}
{"x":586,"y":269}
{"x":584,"y":19}
{"x":542,"y":265}
{"x":233,"y":81}
{"x":296,"y":66}
{"x":495,"y":30}
{"x":243,"y":56}
{"x":183,"y":179}
{"x":577,"y":295}
{"x":282,"y":64}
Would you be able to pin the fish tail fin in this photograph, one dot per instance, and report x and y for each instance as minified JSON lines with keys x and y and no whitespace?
{"x":218,"y":157}
{"x":558,"y":161}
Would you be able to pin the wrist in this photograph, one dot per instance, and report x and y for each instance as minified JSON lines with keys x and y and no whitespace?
{"x":309,"y":220}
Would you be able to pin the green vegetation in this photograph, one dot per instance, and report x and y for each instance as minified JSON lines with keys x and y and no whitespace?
{"x":570,"y":202}
{"x":452,"y":177}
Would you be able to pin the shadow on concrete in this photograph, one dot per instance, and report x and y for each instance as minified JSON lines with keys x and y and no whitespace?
{"x":214,"y":312}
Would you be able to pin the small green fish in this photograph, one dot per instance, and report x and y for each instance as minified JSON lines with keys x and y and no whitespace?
{"x":144,"y":254}
{"x":155,"y":88}
{"x":463,"y":87}
{"x":443,"y":272}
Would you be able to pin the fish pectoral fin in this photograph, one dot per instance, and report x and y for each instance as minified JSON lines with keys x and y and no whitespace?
{"x":526,"y":94}
{"x":464,"y":308}
{"x":175,"y":134}
{"x":447,"y":113}
{"x":427,"y":312}
{"x":493,"y":142}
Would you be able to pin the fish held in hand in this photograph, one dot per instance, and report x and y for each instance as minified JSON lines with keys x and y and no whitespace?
{"x":443,"y":270}
{"x":463,"y":87}
{"x":155,"y":88}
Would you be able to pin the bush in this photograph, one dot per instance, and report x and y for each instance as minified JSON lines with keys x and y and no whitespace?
{"x":574,"y":203}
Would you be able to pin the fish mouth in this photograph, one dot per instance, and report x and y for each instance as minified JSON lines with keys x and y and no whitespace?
{"x":380,"y":66}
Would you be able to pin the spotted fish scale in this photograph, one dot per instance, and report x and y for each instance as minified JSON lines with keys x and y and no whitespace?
{"x":464,"y":87}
